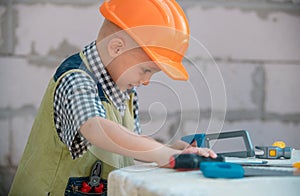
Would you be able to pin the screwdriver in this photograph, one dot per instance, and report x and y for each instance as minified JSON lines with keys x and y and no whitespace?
{"x":294,"y":165}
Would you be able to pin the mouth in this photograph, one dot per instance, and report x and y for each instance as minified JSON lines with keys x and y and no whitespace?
{"x":132,"y":86}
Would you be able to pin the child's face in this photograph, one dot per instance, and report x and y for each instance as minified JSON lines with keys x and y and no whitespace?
{"x":132,"y":68}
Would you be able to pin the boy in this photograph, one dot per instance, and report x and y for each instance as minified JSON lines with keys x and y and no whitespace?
{"x":90,"y":109}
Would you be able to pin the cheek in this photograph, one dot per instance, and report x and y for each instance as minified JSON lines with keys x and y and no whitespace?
{"x":120,"y":74}
{"x":128,"y":75}
{"x":134,"y":72}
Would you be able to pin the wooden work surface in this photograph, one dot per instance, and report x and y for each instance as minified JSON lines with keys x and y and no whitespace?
{"x":147,"y":179}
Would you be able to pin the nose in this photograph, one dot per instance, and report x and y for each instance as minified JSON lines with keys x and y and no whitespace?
{"x":146,"y":83}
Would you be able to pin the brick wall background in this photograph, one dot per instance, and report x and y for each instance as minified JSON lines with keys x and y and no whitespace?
{"x":244,"y":60}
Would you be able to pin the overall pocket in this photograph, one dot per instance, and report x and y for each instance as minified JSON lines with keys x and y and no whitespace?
{"x":74,"y":187}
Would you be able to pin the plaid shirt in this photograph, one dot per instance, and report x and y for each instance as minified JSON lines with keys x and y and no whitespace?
{"x":76,"y":100}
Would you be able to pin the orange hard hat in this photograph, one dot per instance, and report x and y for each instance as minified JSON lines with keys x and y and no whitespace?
{"x":160,"y":27}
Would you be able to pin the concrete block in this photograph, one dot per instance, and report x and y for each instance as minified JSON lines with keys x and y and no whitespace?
{"x":49,"y":28}
{"x":282,"y":89}
{"x":2,"y":28}
{"x":239,"y":83}
{"x":22,"y":84}
{"x":229,"y":85}
{"x":173,"y":96}
{"x":5,"y":29}
{"x":21,"y":127}
{"x":296,"y":1}
{"x":4,"y":142}
{"x":245,"y":34}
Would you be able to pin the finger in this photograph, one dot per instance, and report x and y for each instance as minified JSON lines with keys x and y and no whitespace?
{"x":203,"y":152}
{"x":212,"y":154}
{"x":191,"y":150}
{"x":208,"y":152}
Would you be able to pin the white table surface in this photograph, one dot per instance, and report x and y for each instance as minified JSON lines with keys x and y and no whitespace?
{"x":148,"y":179}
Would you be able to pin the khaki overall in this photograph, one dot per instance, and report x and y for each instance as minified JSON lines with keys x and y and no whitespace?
{"x":46,"y":164}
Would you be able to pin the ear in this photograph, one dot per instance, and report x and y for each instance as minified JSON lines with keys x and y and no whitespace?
{"x":115,"y":47}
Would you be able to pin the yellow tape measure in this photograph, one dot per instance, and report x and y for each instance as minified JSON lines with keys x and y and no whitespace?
{"x":279,"y":144}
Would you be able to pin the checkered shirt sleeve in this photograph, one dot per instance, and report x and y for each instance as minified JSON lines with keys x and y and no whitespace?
{"x":76,"y":100}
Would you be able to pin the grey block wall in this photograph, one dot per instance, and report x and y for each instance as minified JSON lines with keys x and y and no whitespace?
{"x":243,"y":61}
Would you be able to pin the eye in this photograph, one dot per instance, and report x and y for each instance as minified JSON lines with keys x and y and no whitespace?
{"x":146,"y":70}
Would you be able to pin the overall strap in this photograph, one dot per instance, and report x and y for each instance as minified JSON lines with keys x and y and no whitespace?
{"x":75,"y":62}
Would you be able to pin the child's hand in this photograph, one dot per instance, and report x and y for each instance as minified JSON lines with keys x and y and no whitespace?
{"x":193,"y":149}
{"x":206,"y":152}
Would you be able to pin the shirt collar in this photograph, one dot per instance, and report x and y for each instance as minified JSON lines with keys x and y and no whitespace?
{"x":117,"y":97}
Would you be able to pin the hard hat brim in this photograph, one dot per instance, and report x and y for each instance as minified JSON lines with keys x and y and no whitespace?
{"x":174,"y":70}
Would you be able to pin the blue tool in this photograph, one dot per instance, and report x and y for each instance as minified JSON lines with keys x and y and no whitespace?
{"x":221,"y":170}
{"x":233,"y":170}
{"x":199,"y":138}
